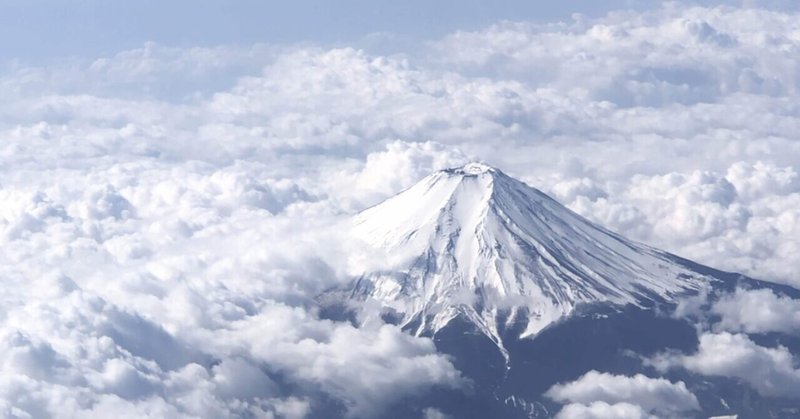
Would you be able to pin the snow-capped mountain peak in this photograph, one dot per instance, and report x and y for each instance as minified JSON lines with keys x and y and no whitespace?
{"x":473,"y":242}
{"x":474,"y":168}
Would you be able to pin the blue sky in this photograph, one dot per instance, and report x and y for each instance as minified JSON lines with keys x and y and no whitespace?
{"x":38,"y":30}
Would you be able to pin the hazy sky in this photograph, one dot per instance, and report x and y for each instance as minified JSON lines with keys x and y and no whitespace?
{"x":35,"y":30}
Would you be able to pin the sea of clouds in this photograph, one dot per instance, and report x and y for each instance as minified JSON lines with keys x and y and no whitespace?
{"x":164,"y":212}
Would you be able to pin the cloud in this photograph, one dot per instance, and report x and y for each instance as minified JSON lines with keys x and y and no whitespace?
{"x":431,"y":413}
{"x":603,"y":394}
{"x":391,"y":170}
{"x":75,"y":348}
{"x":716,"y":218}
{"x":391,"y":365}
{"x":757,"y":311}
{"x":680,"y":42}
{"x":152,"y":70}
{"x":770,"y":371}
{"x":146,"y":288}
{"x":669,"y":81}
{"x":602,"y":410}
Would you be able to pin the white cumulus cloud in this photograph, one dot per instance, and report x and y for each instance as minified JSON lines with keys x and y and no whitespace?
{"x":770,"y":371}
{"x":604,"y":394}
{"x":757,"y":311}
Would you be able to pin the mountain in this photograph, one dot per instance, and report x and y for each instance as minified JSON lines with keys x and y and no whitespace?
{"x":522,"y":294}
{"x":475,"y":243}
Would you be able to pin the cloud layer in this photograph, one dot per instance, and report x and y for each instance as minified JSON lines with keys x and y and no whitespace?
{"x":164,"y":211}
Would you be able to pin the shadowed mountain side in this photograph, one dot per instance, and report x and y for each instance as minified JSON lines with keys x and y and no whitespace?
{"x":597,"y":338}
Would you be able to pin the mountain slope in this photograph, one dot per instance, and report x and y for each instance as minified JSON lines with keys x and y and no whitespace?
{"x":474,"y":242}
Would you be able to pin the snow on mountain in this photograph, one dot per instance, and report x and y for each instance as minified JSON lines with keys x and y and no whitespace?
{"x":474,"y":242}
